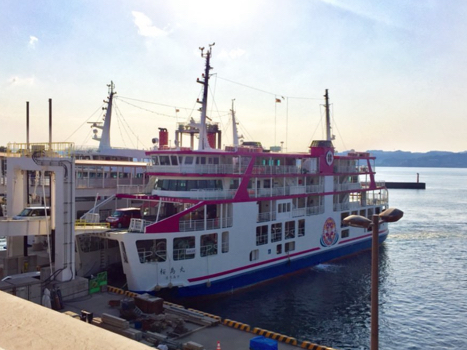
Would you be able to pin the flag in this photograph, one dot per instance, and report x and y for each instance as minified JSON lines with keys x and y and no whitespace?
{"x":278,"y":100}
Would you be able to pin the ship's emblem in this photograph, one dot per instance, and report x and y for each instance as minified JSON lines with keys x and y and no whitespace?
{"x":329,"y":158}
{"x":330,"y":235}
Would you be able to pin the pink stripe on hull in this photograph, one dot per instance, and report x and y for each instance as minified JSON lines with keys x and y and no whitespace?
{"x":196,"y":279}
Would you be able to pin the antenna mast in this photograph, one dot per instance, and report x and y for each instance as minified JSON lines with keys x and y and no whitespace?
{"x":329,"y":136}
{"x":105,"y":136}
{"x":203,"y":139}
{"x":234,"y":126}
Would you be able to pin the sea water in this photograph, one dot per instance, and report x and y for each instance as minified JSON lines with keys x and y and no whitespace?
{"x":422,"y":282}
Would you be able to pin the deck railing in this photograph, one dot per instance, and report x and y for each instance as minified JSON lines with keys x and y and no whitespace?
{"x":284,"y":191}
{"x":268,"y":216}
{"x":347,"y":186}
{"x":198,"y":169}
{"x":315,"y":210}
{"x":276,"y":169}
{"x":138,"y":225}
{"x":199,"y":225}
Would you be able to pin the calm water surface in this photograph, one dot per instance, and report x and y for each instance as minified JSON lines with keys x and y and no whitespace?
{"x":423,"y":281}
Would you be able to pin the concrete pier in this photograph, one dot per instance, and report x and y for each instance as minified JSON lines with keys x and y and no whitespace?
{"x":406,"y":185}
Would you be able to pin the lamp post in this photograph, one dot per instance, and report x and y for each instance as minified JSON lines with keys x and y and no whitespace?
{"x":389,"y":215}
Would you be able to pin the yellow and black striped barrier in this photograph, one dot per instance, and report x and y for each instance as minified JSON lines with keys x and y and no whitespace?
{"x":237,"y":325}
{"x":275,"y":336}
{"x":311,"y":346}
{"x":121,"y":292}
{"x":173,"y":305}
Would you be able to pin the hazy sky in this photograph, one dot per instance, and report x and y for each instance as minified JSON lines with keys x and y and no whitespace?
{"x":395,"y":69}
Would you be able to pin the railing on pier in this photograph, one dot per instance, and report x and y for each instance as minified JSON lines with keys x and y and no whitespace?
{"x":45,"y":149}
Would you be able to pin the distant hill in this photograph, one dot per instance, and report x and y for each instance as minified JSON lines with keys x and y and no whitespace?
{"x":432,"y":159}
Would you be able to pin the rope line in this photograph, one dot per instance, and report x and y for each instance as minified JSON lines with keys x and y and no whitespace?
{"x":79,"y":127}
{"x":267,"y":92}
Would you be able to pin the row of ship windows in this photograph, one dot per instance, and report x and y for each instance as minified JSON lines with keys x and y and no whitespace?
{"x":288,"y":247}
{"x":189,"y":185}
{"x":156,"y":249}
{"x":289,"y":230}
{"x":187,"y":160}
{"x":184,"y":248}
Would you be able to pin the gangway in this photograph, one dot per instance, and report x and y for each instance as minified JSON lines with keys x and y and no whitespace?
{"x":86,"y":215}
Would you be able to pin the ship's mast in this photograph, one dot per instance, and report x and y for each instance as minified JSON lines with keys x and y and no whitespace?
{"x":203,"y":138}
{"x":234,"y":126}
{"x":105,"y":136}
{"x":329,"y":136}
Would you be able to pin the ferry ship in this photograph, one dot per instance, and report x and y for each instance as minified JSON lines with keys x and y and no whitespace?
{"x":229,"y":218}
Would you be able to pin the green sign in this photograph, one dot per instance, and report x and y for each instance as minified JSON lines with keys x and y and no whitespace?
{"x":97,"y":282}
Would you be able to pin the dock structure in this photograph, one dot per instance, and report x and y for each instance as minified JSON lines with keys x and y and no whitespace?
{"x":406,"y":185}
{"x":97,"y":319}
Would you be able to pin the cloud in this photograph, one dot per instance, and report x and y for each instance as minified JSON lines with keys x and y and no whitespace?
{"x":145,"y":26}
{"x":362,"y":12}
{"x":232,"y":54}
{"x":18,"y":81}
{"x":32,"y":41}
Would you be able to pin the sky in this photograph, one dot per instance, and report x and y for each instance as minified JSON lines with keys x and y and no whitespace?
{"x":395,"y":70}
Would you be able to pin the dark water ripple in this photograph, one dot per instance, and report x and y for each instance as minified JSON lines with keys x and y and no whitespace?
{"x":423,"y":280}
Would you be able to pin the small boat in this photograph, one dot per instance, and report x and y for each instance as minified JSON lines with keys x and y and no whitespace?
{"x":227,"y":218}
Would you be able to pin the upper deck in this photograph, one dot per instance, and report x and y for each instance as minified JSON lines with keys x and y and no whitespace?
{"x":230,"y":162}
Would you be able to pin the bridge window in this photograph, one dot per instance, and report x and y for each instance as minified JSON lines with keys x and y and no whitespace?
{"x":164,"y":160}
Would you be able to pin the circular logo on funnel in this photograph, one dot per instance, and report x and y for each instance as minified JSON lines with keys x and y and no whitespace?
{"x":329,"y":236}
{"x":329,"y":158}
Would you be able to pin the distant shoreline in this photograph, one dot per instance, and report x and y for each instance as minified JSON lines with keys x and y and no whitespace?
{"x":432,"y":159}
